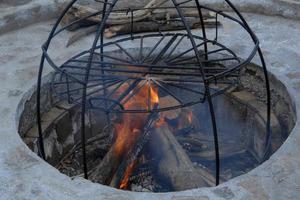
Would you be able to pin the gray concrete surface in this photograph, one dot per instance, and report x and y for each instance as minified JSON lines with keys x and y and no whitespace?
{"x":23,"y":175}
{"x":16,"y":14}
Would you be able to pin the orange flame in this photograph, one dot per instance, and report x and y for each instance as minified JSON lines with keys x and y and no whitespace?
{"x":154,"y":95}
{"x":125,"y":181}
{"x":128,"y":130}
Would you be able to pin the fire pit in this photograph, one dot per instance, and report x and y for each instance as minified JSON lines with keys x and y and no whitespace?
{"x":175,"y":111}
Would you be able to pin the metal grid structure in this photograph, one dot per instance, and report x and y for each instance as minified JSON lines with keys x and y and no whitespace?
{"x":92,"y":78}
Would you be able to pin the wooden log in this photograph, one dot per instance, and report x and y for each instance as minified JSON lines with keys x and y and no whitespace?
{"x":116,"y":18}
{"x":122,"y":176}
{"x":80,"y":11}
{"x":105,"y":171}
{"x":99,"y":143}
{"x":151,"y":26}
{"x":139,"y":27}
{"x":174,"y":163}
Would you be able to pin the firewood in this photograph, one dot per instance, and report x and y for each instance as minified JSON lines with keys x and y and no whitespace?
{"x":130,"y":161}
{"x":174,"y":163}
{"x":142,"y":27}
{"x":139,"y":27}
{"x":80,"y":11}
{"x":98,"y":143}
{"x":108,"y":167}
{"x":151,"y":12}
{"x":104,"y":171}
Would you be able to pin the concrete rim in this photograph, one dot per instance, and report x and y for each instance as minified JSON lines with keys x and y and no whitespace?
{"x":282,"y":168}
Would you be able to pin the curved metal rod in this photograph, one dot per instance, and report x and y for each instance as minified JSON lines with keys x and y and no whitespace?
{"x":253,"y":52}
{"x":207,"y":91}
{"x":202,"y":27}
{"x":215,"y":132}
{"x":267,"y":82}
{"x":212,"y":78}
{"x":39,"y":81}
{"x":100,"y":30}
{"x":206,"y":82}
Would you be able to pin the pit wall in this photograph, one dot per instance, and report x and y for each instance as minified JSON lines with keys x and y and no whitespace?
{"x":61,"y":122}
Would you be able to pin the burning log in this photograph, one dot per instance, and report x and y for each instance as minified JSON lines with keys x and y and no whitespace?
{"x":175,"y":165}
{"x":128,"y":132}
{"x":121,"y":177}
{"x":105,"y":171}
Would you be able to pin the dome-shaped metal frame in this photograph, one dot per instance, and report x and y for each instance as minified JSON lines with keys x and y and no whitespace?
{"x":157,"y":70}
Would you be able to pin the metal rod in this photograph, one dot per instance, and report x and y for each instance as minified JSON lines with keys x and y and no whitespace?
{"x":215,"y":134}
{"x":202,"y":28}
{"x":148,"y":69}
{"x":39,"y":81}
{"x":100,"y":30}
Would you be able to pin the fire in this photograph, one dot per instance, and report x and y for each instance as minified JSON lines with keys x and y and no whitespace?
{"x":125,"y":182}
{"x":131,"y":125}
{"x":154,"y":95}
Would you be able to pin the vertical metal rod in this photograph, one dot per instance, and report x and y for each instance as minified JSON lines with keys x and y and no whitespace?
{"x":131,"y":22}
{"x":102,"y":63}
{"x":203,"y":28}
{"x":217,"y":29}
{"x":68,"y":89}
{"x":268,"y":125}
{"x":39,"y":81}
{"x":141,"y":50}
{"x":206,"y":83}
{"x":215,"y":132}
{"x":99,"y":32}
{"x":38,"y":109}
{"x":268,"y":129}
